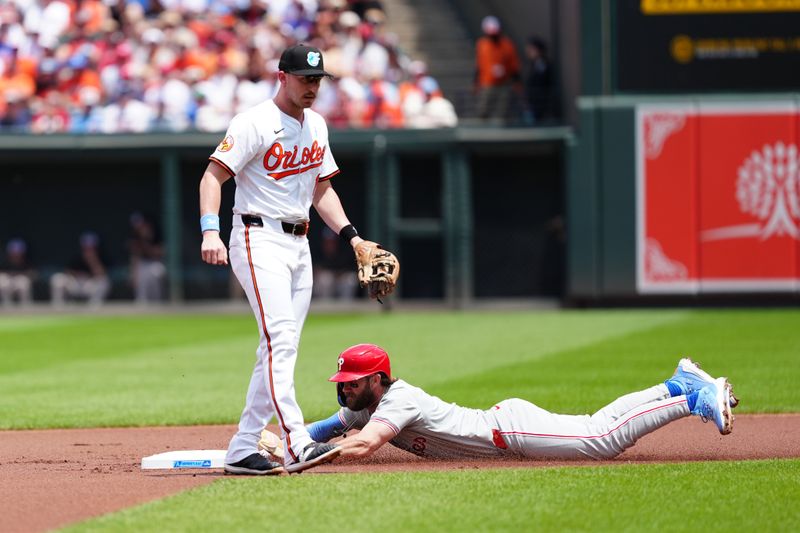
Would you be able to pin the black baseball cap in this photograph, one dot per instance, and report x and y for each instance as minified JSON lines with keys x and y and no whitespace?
{"x":303,"y":60}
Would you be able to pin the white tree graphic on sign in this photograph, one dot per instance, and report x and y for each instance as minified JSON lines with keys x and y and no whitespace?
{"x":768,"y":188}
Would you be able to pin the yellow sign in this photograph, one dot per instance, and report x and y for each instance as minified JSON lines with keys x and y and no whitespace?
{"x":697,"y":7}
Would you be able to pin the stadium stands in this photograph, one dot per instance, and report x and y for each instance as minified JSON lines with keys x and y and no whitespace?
{"x":121,"y":66}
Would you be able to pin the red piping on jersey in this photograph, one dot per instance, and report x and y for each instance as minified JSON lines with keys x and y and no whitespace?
{"x":269,"y":343}
{"x":329,"y":176}
{"x":547,"y":435}
{"x":223,"y":165}
{"x":280,"y":175}
{"x":387,"y":424}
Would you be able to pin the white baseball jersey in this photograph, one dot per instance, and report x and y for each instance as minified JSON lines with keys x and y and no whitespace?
{"x":427,"y":426}
{"x":276,"y":161}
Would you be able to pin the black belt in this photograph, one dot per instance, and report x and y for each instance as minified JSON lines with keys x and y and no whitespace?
{"x":299,"y":229}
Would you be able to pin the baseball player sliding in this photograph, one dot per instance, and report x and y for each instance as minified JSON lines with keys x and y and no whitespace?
{"x":386,"y":409}
{"x":280,"y":158}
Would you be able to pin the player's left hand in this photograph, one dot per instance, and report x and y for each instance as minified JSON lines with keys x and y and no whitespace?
{"x":378,"y":269}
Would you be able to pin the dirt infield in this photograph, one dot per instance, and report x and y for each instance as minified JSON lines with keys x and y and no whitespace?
{"x":51,"y":478}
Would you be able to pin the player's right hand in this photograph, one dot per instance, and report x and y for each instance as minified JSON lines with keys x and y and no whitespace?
{"x":213,"y":250}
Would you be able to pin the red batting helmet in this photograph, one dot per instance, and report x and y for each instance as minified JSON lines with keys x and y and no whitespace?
{"x":362,"y":360}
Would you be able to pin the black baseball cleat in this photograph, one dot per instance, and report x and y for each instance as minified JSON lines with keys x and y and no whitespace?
{"x":255,"y":464}
{"x":314,"y":454}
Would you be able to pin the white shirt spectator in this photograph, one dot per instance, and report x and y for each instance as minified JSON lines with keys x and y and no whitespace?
{"x":250,"y":94}
{"x":177,"y":97}
{"x":219,"y":90}
{"x":212,"y":118}
{"x":327,"y":97}
{"x":136,"y":117}
{"x":439,"y":113}
{"x":16,"y":37}
{"x":33,"y":18}
{"x":110,"y":78}
{"x":412,"y":106}
{"x":353,"y":89}
{"x":54,"y":22}
{"x":373,"y":63}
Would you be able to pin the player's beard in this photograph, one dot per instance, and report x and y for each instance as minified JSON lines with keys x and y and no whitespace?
{"x":360,"y":401}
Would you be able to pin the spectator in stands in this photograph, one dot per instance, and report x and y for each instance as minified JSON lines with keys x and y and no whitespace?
{"x":17,"y":80}
{"x":537,"y":81}
{"x":16,"y":274}
{"x":16,"y":115}
{"x":86,"y":276}
{"x":437,"y":112}
{"x":108,"y":66}
{"x":50,"y":114}
{"x":497,"y":71}
{"x":423,"y":104}
{"x":147,"y":269}
{"x":333,"y":270}
{"x":361,"y":7}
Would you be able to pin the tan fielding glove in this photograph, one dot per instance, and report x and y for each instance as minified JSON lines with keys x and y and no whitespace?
{"x":378,"y":269}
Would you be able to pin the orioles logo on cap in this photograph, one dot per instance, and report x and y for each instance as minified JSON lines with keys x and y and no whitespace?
{"x":313,"y":58}
{"x":226,"y":144}
{"x":341,"y":362}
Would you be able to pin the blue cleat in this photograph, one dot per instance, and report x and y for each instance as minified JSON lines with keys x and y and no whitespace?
{"x":713,"y":404}
{"x":691,"y":378}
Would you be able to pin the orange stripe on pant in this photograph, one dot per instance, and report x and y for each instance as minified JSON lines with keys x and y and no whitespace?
{"x":269,"y":344}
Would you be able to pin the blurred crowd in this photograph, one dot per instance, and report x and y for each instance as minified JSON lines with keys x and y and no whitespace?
{"x":112,"y":66}
{"x":87,"y":276}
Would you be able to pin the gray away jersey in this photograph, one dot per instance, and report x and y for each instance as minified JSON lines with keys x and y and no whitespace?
{"x":427,"y":426}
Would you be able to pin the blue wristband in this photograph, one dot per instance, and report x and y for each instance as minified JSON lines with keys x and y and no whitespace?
{"x":209,"y":223}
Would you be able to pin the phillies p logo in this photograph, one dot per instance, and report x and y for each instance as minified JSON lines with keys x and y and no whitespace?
{"x":341,"y":362}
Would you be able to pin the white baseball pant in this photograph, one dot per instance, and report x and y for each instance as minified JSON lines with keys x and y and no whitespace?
{"x":534,"y":432}
{"x":274,"y":269}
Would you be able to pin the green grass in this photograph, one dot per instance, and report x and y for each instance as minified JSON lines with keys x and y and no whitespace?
{"x":189,"y":369}
{"x":713,"y":496}
{"x":129,"y":371}
{"x":172,"y":370}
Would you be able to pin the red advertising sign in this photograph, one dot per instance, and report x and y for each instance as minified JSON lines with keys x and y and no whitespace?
{"x":718,"y":198}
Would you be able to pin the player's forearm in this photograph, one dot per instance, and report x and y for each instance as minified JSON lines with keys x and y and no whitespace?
{"x":210,"y":194}
{"x":329,"y":207}
{"x":356,"y":446}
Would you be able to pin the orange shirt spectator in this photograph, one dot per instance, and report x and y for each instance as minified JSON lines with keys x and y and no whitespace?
{"x":497,"y":67}
{"x":497,"y":61}
{"x":17,"y":85}
{"x":92,"y":14}
{"x":205,"y":61}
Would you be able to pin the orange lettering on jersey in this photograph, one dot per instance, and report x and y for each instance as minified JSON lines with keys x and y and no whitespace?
{"x":282,"y":163}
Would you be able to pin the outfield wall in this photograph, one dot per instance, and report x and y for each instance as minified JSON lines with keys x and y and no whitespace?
{"x":684,"y":196}
{"x":471,"y":212}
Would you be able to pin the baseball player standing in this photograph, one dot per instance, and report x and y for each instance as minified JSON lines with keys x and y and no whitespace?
{"x":391,"y":410}
{"x":279,"y":155}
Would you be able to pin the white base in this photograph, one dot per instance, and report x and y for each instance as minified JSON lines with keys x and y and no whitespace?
{"x":185,"y":459}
